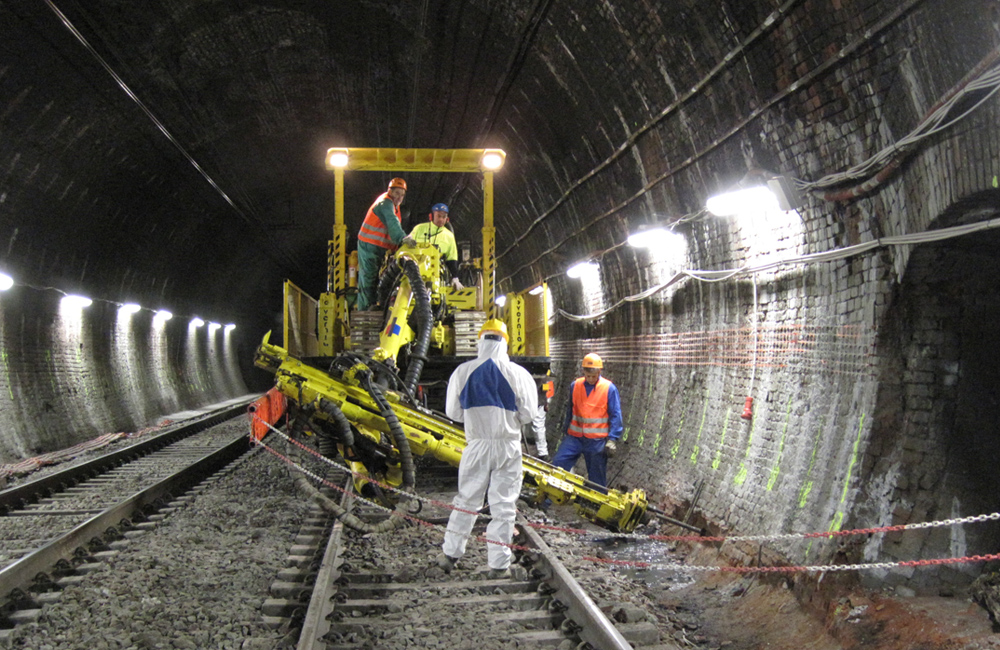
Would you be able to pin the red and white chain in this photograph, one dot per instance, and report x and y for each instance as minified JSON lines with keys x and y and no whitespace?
{"x":672,"y":566}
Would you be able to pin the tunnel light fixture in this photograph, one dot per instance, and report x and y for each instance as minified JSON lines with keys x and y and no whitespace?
{"x":6,"y":282}
{"x":751,"y":200}
{"x":129,"y":308}
{"x":785,"y":192}
{"x":493,"y":159}
{"x":230,"y":327}
{"x":212,"y":327}
{"x":580,"y":268}
{"x":162,"y":316}
{"x":73,"y":301}
{"x":197,"y":322}
{"x":537,"y":290}
{"x":500,"y":301}
{"x":649,"y":236}
{"x":337,"y":158}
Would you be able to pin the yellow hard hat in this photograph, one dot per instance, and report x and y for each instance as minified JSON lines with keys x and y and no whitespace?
{"x":397,"y":182}
{"x":592,"y":361}
{"x":497,"y":326}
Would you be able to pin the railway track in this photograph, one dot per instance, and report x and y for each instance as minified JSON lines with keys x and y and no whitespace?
{"x":350,"y":591}
{"x":340,"y":589}
{"x":57,"y":528}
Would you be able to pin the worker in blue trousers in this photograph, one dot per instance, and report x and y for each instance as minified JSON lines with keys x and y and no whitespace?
{"x":595,"y":423}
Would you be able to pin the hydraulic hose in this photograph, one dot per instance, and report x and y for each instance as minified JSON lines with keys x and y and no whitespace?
{"x":384,"y":374}
{"x":328,"y":505}
{"x":395,"y":430}
{"x":297,"y":425}
{"x":386,"y":283}
{"x":425,"y":321}
{"x":337,"y":417}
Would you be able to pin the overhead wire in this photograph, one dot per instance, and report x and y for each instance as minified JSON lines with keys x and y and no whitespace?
{"x":253,"y":221}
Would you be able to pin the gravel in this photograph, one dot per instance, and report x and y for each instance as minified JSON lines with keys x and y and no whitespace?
{"x":199,"y":578}
{"x":195,"y":581}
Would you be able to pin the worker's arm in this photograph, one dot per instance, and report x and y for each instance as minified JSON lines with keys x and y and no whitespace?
{"x":385,"y":210}
{"x":569,"y":407}
{"x":527,"y":396}
{"x":615,"y":427}
{"x":453,"y":401}
{"x":452,"y":267}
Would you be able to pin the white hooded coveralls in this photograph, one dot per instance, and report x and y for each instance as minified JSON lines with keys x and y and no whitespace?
{"x":494,"y":397}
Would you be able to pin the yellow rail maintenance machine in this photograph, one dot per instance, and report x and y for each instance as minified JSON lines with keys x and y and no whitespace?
{"x":360,"y":403}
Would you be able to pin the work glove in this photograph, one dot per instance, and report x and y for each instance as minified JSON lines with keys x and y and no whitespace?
{"x":456,"y":284}
{"x":610,"y":448}
{"x":409,"y":241}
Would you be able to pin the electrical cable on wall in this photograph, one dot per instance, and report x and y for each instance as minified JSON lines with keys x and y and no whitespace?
{"x":985,"y":83}
{"x":842,"y":55}
{"x":773,"y":20}
{"x":799,"y":260}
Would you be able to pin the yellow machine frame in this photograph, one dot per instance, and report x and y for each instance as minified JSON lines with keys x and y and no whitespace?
{"x":428,"y":433}
{"x":334,"y":324}
{"x":339,"y":389}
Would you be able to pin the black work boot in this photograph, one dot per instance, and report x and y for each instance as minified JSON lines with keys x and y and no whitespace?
{"x":446,"y":562}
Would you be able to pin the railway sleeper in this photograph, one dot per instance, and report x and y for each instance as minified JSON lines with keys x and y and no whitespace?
{"x":360,"y":591}
{"x":360,"y":607}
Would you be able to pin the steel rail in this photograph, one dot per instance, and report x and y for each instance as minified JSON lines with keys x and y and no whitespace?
{"x":595,"y":628}
{"x":22,"y":573}
{"x":21,"y":495}
{"x":316,"y":623}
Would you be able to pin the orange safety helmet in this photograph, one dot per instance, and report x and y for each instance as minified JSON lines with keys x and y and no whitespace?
{"x":593,"y":361}
{"x":397,"y":182}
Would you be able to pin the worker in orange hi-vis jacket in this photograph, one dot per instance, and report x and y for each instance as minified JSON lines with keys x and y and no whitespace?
{"x":595,"y":423}
{"x":381,"y":232}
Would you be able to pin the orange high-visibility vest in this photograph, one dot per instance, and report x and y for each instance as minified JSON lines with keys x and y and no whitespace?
{"x":590,"y":412}
{"x":373,"y":231}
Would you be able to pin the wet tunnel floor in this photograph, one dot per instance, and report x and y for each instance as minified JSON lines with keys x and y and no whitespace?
{"x":718,"y":611}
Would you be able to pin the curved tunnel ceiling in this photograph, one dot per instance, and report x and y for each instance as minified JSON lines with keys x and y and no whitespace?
{"x":607,"y":111}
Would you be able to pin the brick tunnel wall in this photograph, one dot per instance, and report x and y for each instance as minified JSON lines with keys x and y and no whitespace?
{"x":933,"y":451}
{"x":67,"y":377}
{"x":839,"y":439}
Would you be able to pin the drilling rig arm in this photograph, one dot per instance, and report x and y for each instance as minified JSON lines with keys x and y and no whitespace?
{"x":430,"y":433}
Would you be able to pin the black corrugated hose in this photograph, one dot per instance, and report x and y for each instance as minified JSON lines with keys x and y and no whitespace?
{"x":305,"y":485}
{"x":337,"y":417}
{"x":395,"y":430}
{"x":386,"y":282}
{"x":425,"y":321}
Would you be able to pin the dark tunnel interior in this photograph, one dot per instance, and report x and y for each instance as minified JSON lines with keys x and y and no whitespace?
{"x":171,"y":154}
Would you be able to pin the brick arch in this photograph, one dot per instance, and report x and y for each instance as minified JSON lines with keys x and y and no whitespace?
{"x":935,"y":442}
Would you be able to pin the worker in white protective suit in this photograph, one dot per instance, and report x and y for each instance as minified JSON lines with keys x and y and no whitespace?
{"x":494,"y":397}
{"x":545,"y":391}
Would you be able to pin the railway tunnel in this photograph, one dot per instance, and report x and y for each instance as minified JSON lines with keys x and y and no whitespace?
{"x":823,"y":362}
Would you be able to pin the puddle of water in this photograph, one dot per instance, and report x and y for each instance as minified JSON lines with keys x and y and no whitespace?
{"x":660,"y":554}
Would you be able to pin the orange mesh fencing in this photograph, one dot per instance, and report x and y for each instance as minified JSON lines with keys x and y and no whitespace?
{"x":843,"y":349}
